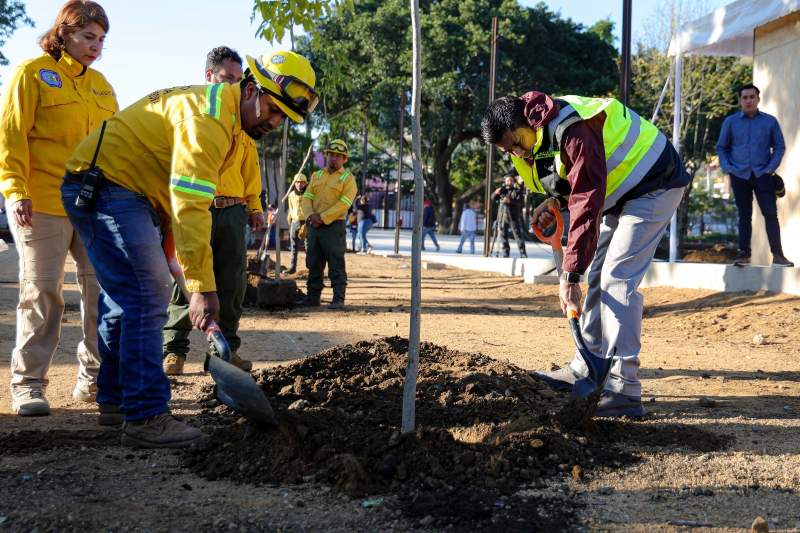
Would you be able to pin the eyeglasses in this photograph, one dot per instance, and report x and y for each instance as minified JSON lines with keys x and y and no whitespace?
{"x":510,"y":150}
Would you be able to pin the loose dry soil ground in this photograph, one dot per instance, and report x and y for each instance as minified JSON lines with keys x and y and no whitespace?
{"x":490,"y":454}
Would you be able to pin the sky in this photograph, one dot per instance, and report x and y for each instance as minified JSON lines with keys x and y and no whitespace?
{"x":155,"y":44}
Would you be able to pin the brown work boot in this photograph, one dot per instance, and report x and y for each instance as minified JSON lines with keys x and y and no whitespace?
{"x":161,"y":431}
{"x":244,"y":364}
{"x":110,"y":415}
{"x":173,"y":364}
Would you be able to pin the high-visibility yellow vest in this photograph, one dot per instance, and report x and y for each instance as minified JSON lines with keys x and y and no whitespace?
{"x":632,"y":146}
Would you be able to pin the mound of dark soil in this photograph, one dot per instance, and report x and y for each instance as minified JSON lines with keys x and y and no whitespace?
{"x":489,"y":436}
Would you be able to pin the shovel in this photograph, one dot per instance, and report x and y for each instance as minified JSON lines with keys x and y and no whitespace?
{"x":233,"y":386}
{"x":598,"y":366}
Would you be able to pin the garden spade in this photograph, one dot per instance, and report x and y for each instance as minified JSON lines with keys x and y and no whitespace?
{"x":598,"y":366}
{"x":233,"y":386}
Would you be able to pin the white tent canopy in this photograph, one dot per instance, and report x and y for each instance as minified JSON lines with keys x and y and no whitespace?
{"x":728,"y":31}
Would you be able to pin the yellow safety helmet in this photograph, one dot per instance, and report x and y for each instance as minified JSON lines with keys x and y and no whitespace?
{"x":300,"y":178}
{"x":289,"y":78}
{"x":338,"y":146}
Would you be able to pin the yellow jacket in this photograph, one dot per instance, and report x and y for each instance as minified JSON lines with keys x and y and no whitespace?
{"x":172,"y":146}
{"x":330,"y":195}
{"x":48,"y":107}
{"x":295,"y":214}
{"x":242,"y":179}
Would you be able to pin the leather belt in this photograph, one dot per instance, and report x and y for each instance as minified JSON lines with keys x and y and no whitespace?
{"x":221,"y":202}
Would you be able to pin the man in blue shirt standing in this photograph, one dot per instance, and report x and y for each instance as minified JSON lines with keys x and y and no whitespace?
{"x":750,"y":148}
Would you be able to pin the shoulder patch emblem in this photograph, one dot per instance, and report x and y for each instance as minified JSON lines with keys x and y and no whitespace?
{"x":50,"y":77}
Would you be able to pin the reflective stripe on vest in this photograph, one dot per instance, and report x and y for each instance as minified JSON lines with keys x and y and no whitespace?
{"x":632,"y":145}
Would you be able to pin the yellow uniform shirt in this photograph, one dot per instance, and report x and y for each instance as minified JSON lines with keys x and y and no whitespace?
{"x":48,"y":107}
{"x":242,"y":179}
{"x":172,"y":146}
{"x":295,"y":214}
{"x":330,"y":195}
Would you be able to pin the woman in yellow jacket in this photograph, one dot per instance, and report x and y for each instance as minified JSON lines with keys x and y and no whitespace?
{"x":50,"y":104}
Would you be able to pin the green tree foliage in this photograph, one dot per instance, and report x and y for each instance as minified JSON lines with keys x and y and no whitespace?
{"x":12,"y":15}
{"x":279,"y":16}
{"x":363,"y":57}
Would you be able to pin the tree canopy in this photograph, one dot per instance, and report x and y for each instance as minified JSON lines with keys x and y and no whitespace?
{"x":12,"y":16}
{"x":363,"y":59}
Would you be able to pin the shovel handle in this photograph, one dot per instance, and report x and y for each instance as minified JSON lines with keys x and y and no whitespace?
{"x":552,"y":234}
{"x":216,"y":337}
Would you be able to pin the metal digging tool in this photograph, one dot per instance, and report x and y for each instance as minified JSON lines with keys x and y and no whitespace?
{"x":598,"y":366}
{"x":233,"y":386}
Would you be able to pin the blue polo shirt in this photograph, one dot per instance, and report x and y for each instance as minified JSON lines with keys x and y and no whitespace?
{"x":750,"y":146}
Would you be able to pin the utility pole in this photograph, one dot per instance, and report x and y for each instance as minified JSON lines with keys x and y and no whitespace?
{"x":487,"y":208}
{"x":625,"y":66}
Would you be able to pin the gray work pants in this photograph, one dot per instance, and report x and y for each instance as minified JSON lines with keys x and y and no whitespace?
{"x":611,"y":321}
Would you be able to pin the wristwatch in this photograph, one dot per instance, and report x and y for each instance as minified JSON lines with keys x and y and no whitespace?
{"x":571,"y":277}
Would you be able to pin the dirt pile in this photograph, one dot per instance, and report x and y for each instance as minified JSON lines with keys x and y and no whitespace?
{"x":490,"y":437}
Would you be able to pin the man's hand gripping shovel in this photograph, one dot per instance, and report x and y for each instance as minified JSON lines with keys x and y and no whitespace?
{"x":233,"y":386}
{"x":598,"y":366}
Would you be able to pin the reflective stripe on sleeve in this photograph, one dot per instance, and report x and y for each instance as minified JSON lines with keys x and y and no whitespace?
{"x":345,"y":200}
{"x":194,"y":186}
{"x":310,"y":195}
{"x":214,"y":100}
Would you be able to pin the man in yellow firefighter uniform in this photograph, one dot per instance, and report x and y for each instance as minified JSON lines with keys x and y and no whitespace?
{"x":162,"y":158}
{"x":236,"y":204}
{"x":621,"y":181}
{"x":295,"y":218}
{"x":324,"y":205}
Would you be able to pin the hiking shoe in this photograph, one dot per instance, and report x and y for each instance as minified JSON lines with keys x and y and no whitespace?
{"x":173,"y":364}
{"x":618,"y":404}
{"x":244,"y":364}
{"x":110,"y":415}
{"x":29,"y":402}
{"x":561,"y":380}
{"x":781,"y":261}
{"x":741,"y":259}
{"x":336,"y":304}
{"x":84,"y":392}
{"x":161,"y":431}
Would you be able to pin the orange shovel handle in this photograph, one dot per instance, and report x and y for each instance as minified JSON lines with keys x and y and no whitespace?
{"x":551,"y":235}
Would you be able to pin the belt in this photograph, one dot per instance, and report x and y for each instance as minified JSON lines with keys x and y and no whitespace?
{"x":221,"y":202}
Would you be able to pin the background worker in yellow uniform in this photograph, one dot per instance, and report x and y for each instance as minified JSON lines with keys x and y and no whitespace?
{"x":50,"y":104}
{"x":325,"y":203}
{"x":163,"y":155}
{"x":236,"y":204}
{"x":295,"y":217}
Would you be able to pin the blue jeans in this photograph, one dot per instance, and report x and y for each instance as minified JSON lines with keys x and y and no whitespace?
{"x":429,"y":232}
{"x":123,"y":242}
{"x":364,"y":225}
{"x":466,"y":234}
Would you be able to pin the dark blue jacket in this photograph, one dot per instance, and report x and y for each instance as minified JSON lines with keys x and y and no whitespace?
{"x":428,"y":217}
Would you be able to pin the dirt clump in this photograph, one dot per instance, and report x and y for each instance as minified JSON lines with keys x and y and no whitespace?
{"x":490,"y":439}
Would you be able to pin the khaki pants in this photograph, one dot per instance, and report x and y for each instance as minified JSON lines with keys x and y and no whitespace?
{"x":42,"y":253}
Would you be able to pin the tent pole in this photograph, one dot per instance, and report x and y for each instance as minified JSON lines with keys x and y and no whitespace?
{"x":676,"y":142}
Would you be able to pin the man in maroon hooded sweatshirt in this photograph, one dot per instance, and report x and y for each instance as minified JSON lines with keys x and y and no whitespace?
{"x":621,"y":181}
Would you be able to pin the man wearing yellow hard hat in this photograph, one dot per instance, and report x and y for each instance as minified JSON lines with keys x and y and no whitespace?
{"x":161,"y":159}
{"x":324,"y":205}
{"x":295,"y":217}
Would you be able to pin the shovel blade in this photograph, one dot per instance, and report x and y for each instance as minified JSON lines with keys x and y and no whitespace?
{"x":598,"y":366}
{"x":236,"y":389}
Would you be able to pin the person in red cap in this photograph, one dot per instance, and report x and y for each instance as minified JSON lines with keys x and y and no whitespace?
{"x":621,"y":181}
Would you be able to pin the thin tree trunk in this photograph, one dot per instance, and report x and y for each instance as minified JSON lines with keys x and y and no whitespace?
{"x":410,"y":386}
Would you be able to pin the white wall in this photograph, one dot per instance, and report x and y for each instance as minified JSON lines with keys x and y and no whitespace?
{"x":776,"y":71}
